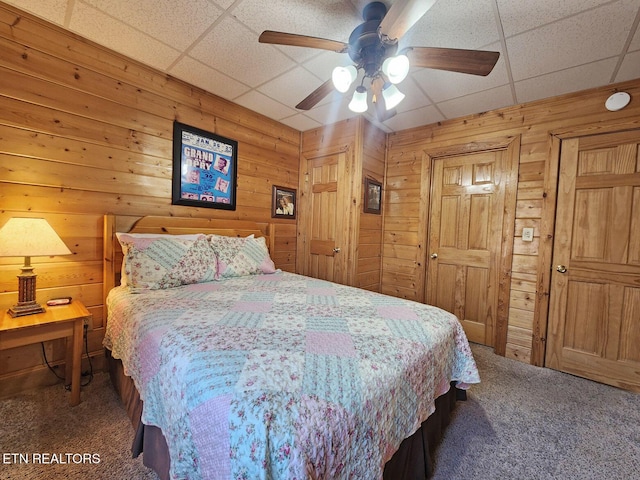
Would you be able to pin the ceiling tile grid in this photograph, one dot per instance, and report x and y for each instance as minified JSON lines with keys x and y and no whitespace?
{"x":547,"y":48}
{"x":90,"y":23}
{"x":158,"y":18}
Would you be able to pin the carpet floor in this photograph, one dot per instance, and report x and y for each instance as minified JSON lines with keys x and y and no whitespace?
{"x":520,"y":423}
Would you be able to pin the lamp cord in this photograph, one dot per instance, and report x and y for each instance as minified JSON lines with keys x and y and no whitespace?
{"x":88,"y":374}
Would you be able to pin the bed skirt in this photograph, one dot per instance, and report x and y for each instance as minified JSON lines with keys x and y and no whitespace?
{"x":412,"y":461}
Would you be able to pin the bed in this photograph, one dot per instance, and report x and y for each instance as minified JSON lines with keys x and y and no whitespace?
{"x":230,"y":368}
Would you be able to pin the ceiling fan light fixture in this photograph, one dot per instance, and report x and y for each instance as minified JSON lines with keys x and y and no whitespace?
{"x":396,"y":68}
{"x":392,"y":96}
{"x":358,"y":103}
{"x":343,"y":77}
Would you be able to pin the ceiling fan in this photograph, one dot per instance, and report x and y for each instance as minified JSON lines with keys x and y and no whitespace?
{"x":373,"y":48}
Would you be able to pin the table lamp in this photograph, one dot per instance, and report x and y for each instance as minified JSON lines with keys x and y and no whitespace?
{"x":29,"y":237}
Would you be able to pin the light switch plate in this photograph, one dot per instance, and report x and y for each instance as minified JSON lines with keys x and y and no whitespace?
{"x":527,"y":234}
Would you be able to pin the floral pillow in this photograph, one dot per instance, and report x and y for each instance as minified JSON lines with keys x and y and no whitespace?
{"x":238,"y":256}
{"x":153,"y":262}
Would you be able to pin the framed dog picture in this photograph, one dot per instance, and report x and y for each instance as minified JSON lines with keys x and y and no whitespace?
{"x":204,"y":168}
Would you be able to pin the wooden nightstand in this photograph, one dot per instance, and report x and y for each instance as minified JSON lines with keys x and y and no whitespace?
{"x":56,"y":322}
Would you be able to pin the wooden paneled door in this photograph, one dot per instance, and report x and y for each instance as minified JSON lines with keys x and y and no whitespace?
{"x":594,"y":317}
{"x":327,"y":207}
{"x":466,"y":238}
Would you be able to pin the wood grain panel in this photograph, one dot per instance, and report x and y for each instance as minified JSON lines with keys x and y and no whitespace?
{"x":362,"y":149}
{"x":531,"y":190}
{"x":634,"y":228}
{"x":53,"y":131}
{"x":630,"y":334}
{"x":536,"y":122}
{"x":86,"y":131}
{"x":521,"y":318}
{"x":582,"y":324}
{"x":593,"y":305}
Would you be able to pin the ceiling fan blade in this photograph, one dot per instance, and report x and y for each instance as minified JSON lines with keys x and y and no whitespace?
{"x":281,"y":38}
{"x":402,"y":15}
{"x":475,"y":62}
{"x":314,"y":97}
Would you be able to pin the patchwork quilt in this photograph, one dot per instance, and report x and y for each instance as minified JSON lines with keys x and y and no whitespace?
{"x":282,"y":376}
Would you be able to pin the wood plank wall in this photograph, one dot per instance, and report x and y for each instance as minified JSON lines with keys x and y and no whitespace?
{"x":366,"y":145}
{"x":326,"y":141}
{"x":369,"y":266}
{"x":84,"y":132}
{"x":540,"y":125}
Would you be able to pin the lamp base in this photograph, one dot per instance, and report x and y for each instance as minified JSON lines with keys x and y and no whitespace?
{"x":27,"y":304}
{"x":25,"y":308}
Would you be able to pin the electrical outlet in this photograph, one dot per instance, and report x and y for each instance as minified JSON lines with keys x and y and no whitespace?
{"x":527,"y":234}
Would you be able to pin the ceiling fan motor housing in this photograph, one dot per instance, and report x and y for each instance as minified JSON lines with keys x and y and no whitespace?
{"x":365,"y":46}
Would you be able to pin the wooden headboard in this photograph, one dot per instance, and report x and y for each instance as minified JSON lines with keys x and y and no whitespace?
{"x":172,"y":226}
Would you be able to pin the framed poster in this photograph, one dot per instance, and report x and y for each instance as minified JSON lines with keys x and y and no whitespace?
{"x":204,"y":168}
{"x":283,"y":202}
{"x":372,"y":196}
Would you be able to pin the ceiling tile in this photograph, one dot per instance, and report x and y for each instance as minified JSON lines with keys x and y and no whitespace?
{"x":635,"y":42}
{"x":414,"y":96}
{"x":549,"y":47}
{"x":51,"y":10}
{"x":105,"y":30}
{"x":301,"y":122}
{"x":565,"y":81}
{"x":295,"y":84}
{"x":207,"y":78}
{"x":584,"y":38}
{"x":260,"y":103}
{"x":630,"y":68}
{"x":219,"y":49}
{"x":321,"y":18}
{"x":157,"y":18}
{"x":337,"y":97}
{"x":223,"y":3}
{"x":455,"y":24}
{"x":521,"y":15}
{"x":322,"y":65}
{"x":479,"y":102}
{"x":331,"y":112}
{"x":415,"y":118}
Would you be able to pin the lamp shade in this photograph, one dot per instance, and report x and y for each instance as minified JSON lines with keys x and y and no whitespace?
{"x":396,"y":68}
{"x":343,"y":77}
{"x":392,"y":96}
{"x":30,"y":237}
{"x":358,"y":103}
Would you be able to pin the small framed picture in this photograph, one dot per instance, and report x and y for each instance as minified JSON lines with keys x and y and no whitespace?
{"x":204,"y":168}
{"x":283,"y":202}
{"x":372,"y":196}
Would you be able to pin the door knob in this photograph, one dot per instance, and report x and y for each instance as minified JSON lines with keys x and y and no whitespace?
{"x":561,"y":268}
{"x":434,"y":255}
{"x":336,"y":250}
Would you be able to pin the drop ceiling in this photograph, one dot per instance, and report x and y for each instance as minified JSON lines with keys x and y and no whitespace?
{"x":547,"y":47}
